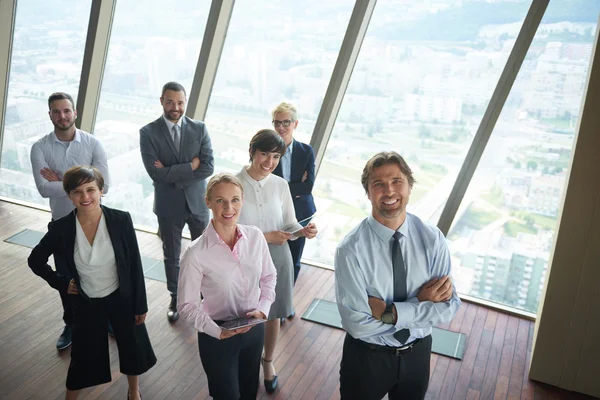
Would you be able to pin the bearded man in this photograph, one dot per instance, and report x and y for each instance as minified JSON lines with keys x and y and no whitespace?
{"x":392,"y":281}
{"x":51,"y":156}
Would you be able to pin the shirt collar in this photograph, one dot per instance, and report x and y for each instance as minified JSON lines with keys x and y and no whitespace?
{"x":76,"y":138}
{"x":254,"y":183}
{"x":289,"y":149}
{"x":170,"y":123}
{"x":213,"y":238}
{"x":383,"y":232}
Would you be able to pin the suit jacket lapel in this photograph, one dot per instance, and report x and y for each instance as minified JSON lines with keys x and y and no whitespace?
{"x":183,"y":137}
{"x":296,"y":171}
{"x":114,"y":232}
{"x":165,"y":131}
{"x":70,"y":238}
{"x":278,"y":170}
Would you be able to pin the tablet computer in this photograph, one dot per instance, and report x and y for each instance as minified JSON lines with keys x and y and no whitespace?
{"x":241,"y":323}
{"x":303,"y":222}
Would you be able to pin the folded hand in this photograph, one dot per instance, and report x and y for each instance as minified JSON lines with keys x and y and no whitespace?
{"x":72,"y":289}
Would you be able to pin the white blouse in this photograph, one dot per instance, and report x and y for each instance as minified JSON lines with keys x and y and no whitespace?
{"x":267,"y":204}
{"x":96,"y":264}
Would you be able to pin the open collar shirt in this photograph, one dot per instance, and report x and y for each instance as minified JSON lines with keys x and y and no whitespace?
{"x":286,"y":162}
{"x":232,"y":281}
{"x":59,"y":156}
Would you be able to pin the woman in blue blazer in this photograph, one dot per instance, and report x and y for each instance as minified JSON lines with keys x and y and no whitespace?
{"x":297,"y":166}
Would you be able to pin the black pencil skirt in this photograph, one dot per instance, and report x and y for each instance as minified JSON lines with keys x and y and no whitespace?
{"x":90,"y":362}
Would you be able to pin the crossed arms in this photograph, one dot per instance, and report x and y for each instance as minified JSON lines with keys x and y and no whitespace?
{"x":49,"y":182}
{"x":200,"y":168}
{"x":307,"y":182}
{"x":436,"y":301}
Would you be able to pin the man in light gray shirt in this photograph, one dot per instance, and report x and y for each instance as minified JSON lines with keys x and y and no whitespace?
{"x":51,"y":157}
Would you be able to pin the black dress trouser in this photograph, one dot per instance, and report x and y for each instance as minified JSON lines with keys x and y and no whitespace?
{"x":90,"y":361}
{"x":232,"y":365}
{"x":368,"y":374}
{"x":171,"y":229}
{"x":60,"y":265}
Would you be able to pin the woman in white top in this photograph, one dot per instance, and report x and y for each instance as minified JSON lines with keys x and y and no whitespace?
{"x":268,"y":205}
{"x":101,"y":252}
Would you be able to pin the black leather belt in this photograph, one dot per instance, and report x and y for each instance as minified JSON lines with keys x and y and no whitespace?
{"x":398,"y":351}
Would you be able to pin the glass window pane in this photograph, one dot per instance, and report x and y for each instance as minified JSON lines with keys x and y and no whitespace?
{"x":271,"y":54}
{"x":144,"y":53}
{"x":47,"y":57}
{"x":423,"y":78}
{"x":503,"y":232}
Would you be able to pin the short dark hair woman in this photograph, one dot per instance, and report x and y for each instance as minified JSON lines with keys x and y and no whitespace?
{"x":269,"y":206}
{"x":102,"y":254}
{"x":230,"y":264}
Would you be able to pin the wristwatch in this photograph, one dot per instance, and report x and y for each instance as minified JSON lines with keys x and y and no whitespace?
{"x":388,"y":315}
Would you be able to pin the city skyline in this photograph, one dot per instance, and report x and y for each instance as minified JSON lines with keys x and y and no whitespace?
{"x":423,"y":98}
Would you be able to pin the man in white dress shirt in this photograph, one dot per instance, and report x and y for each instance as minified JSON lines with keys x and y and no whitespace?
{"x":51,"y":157}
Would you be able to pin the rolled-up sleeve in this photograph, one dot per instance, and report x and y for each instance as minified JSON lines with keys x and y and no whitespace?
{"x":38,"y":162}
{"x":100,"y":161}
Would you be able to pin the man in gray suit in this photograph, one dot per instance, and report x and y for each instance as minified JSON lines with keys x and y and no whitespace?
{"x":178,"y":156}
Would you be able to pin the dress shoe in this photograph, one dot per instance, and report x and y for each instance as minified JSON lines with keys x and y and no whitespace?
{"x":110,"y":330}
{"x":172,"y":314}
{"x":292,"y":315}
{"x":64,"y":340}
{"x":270,"y":385}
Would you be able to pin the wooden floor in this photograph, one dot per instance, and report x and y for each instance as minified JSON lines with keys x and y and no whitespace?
{"x":308,"y":355}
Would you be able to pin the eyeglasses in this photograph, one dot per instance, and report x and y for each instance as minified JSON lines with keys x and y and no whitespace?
{"x":285,"y":123}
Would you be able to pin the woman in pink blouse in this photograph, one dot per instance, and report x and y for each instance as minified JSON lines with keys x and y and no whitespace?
{"x":231,"y":265}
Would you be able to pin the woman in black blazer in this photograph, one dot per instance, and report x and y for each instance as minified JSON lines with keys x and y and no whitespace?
{"x":102,"y":254}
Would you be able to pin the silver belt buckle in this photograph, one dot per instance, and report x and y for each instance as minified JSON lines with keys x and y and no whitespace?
{"x":399,"y":350}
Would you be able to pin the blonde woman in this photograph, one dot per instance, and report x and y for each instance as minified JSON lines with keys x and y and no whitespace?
{"x":297,"y":167}
{"x":230,"y":264}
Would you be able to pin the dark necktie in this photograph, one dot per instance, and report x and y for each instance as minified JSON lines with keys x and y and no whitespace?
{"x":399,"y":282}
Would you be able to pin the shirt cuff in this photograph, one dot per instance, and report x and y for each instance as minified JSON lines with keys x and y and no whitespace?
{"x":406,"y":311}
{"x":264,"y":306}
{"x":213,"y":329}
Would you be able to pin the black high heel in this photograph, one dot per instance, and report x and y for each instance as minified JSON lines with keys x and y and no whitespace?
{"x":270,"y":385}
